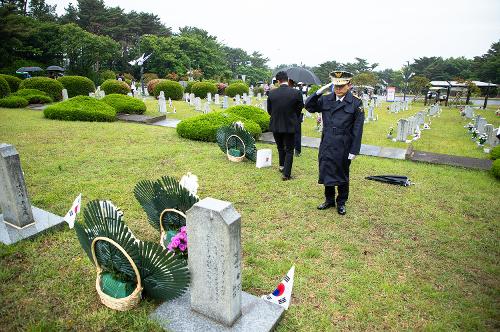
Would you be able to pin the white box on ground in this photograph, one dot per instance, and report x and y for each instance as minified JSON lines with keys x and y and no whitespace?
{"x":264,"y":158}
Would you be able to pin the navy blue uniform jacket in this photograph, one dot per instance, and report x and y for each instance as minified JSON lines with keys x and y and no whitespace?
{"x":342,"y":131}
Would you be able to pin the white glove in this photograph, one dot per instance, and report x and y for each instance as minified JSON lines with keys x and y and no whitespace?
{"x":323,"y":88}
{"x":351,"y":156}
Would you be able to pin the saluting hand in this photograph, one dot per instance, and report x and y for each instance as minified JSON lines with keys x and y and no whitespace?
{"x":324,"y":88}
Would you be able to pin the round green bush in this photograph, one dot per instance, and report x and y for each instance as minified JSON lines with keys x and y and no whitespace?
{"x":495,"y":153}
{"x":125,"y":104}
{"x":12,"y":81}
{"x":204,"y":127}
{"x":253,"y":113}
{"x":150,"y":76}
{"x":4,"y":88}
{"x":152,"y":84}
{"x":48,"y":85}
{"x":13,"y":102}
{"x":189,"y":86}
{"x":106,"y":75}
{"x":33,"y":96}
{"x":81,"y":108}
{"x":172,"y":89}
{"x":236,"y":89}
{"x":495,"y":168}
{"x":115,"y":86}
{"x":200,"y":89}
{"x":77,"y":85}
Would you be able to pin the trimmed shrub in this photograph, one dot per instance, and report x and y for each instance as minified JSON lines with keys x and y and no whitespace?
{"x":13,"y":102}
{"x":125,"y":104}
{"x":12,"y":81}
{"x":4,"y":88}
{"x":81,"y":108}
{"x":152,"y":84}
{"x":149,"y":77}
{"x":129,"y":76}
{"x":204,"y":127}
{"x":258,"y":89}
{"x":236,"y":89}
{"x":77,"y":85}
{"x":106,"y":75}
{"x":200,"y":89}
{"x":189,"y":86}
{"x":115,"y":86}
{"x":33,"y":96}
{"x":495,"y":169}
{"x":495,"y":153}
{"x":172,"y":89}
{"x":253,"y":113}
{"x":48,"y":85}
{"x":313,"y":89}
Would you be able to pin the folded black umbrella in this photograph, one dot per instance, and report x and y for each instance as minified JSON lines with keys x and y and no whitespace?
{"x":392,"y":179}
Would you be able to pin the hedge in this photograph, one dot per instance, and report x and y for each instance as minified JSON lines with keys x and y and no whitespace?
{"x":200,"y":89}
{"x":13,"y":102}
{"x":204,"y":127}
{"x":172,"y":89}
{"x":106,"y":75}
{"x":115,"y":86}
{"x":81,"y":108}
{"x":149,"y":76}
{"x":152,"y":84}
{"x":4,"y":87}
{"x":495,"y":168}
{"x":189,"y":86}
{"x":33,"y":96}
{"x":495,"y":153}
{"x":236,"y":89}
{"x":12,"y":81}
{"x":125,"y":104}
{"x":253,"y":113}
{"x":77,"y":85}
{"x":52,"y":87}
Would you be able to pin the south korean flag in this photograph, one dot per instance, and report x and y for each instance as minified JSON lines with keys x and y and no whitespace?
{"x":282,"y":295}
{"x":75,"y":209}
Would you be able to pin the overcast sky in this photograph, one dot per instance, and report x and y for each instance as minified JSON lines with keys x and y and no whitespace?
{"x":388,"y":32}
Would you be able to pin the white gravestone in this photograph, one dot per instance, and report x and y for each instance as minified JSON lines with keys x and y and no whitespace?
{"x":197,"y":104}
{"x":469,"y":112}
{"x":237,"y":100}
{"x":480,"y":124}
{"x":209,"y":96}
{"x":206,"y":109}
{"x":402,"y":130}
{"x":191,"y":99}
{"x":225,"y":102}
{"x":64,"y":94}
{"x":217,"y":99}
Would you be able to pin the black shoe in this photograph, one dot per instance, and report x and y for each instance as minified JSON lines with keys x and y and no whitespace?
{"x":326,"y":205}
{"x":341,"y":210}
{"x":286,"y":178}
{"x":297,"y":154}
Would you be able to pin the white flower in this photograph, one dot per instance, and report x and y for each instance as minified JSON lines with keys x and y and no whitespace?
{"x":190,"y":182}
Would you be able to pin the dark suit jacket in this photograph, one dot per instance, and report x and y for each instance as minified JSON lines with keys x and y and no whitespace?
{"x":284,"y":105}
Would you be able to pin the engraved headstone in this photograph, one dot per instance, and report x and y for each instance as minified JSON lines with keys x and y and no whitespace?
{"x":237,"y":100}
{"x":197,"y":104}
{"x":491,"y":138}
{"x":402,"y":130}
{"x":217,"y":99}
{"x":225,"y":102}
{"x":206,"y":109}
{"x":371,"y":113}
{"x":209,"y":96}
{"x":65,"y":94}
{"x":191,"y":99}
{"x":214,"y":229}
{"x":469,"y":112}
{"x":480,"y":124}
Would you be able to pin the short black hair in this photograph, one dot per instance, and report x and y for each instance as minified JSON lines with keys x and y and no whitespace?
{"x":282,"y":76}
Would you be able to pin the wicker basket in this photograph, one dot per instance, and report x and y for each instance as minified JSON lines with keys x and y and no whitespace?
{"x":162,"y":230}
{"x":233,"y":158}
{"x":121,"y":304}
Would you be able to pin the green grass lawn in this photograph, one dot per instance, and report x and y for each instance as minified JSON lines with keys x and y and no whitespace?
{"x":418,"y":258}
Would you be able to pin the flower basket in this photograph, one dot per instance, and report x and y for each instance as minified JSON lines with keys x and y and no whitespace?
{"x":228,"y":153}
{"x":166,"y":236}
{"x":123,"y":303}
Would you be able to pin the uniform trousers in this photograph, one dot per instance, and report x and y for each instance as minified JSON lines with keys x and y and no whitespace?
{"x":342,"y":196}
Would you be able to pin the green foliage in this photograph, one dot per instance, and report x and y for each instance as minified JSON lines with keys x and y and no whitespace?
{"x":12,"y":81}
{"x":114,"y":86}
{"x":365,"y":78}
{"x":33,"y":96}
{"x":200,"y":89}
{"x":258,"y":89}
{"x":106,"y":75}
{"x":495,"y":169}
{"x":81,"y":108}
{"x":125,"y":104}
{"x":13,"y":102}
{"x":4,"y":88}
{"x":77,"y":85}
{"x":495,"y":153}
{"x":236,"y":89}
{"x":313,"y":89}
{"x":189,"y":86}
{"x":243,"y":144}
{"x":48,"y":85}
{"x":152,"y":84}
{"x":149,"y":77}
{"x":172,"y":89}
{"x":204,"y":127}
{"x":253,"y":113}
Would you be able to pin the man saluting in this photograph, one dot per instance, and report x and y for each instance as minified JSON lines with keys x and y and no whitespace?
{"x":343,"y":119}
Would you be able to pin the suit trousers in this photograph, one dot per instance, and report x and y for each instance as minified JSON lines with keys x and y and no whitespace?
{"x":343,"y":193}
{"x":285,"y":144}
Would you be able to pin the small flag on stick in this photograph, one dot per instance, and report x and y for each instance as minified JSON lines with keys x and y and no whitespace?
{"x":282,"y":295}
{"x":75,"y":209}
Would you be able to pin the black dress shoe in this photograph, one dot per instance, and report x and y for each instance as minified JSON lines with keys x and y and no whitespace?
{"x":326,"y":205}
{"x":341,"y":209}
{"x":286,"y":178}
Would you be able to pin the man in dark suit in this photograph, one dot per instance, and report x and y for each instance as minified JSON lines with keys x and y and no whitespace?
{"x":343,"y":119}
{"x":284,"y":105}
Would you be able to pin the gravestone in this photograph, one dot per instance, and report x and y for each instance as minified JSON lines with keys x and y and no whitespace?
{"x":19,"y":220}
{"x":491,"y":138}
{"x":217,"y":99}
{"x":191,"y":99}
{"x":162,"y":104}
{"x":420,"y":118}
{"x":402,"y":130}
{"x":469,"y":112}
{"x":209,"y":96}
{"x":237,"y":101}
{"x":259,"y":95}
{"x":215,"y":301}
{"x":225,"y":102}
{"x":197,"y":104}
{"x":371,"y":113}
{"x":64,"y":94}
{"x":92,"y":94}
{"x":263,"y":105}
{"x":206,"y":108}
{"x":480,"y":124}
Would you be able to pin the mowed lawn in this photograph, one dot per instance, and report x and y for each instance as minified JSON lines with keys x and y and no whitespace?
{"x":425,"y":257}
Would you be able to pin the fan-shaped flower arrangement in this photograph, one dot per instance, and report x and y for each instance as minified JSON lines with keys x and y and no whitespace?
{"x":236,"y":142}
{"x":127,"y":267}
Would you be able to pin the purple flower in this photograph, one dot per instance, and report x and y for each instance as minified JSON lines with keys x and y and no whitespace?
{"x":175,"y":242}
{"x":183,"y":229}
{"x":182,"y":247}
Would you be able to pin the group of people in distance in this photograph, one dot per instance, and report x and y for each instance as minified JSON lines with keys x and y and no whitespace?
{"x":343,"y":118}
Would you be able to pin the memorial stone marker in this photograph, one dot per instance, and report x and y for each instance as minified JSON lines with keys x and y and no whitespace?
{"x":64,"y":94}
{"x":402,"y":130}
{"x":217,"y":99}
